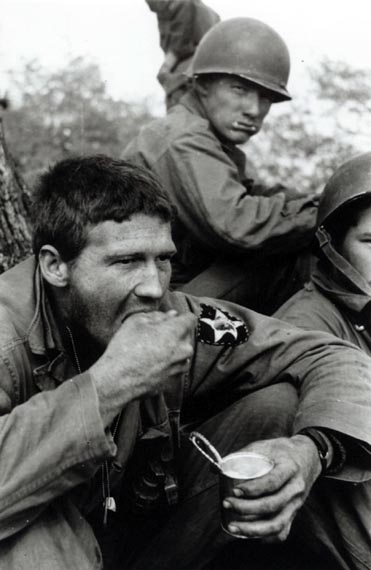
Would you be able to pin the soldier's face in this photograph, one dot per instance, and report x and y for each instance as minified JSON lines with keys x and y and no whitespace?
{"x":356,"y":247}
{"x":124,"y":268}
{"x":235,"y":108}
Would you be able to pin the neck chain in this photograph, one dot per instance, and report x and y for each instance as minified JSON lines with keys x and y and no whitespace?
{"x":109,"y":503}
{"x":73,"y":346}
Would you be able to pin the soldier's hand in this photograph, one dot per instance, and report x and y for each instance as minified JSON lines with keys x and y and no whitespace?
{"x":266,"y":507}
{"x":170,"y":61}
{"x":148,"y":351}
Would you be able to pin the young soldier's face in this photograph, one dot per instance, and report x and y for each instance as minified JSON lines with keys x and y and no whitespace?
{"x":356,"y":247}
{"x":123,"y":269}
{"x":235,"y":107}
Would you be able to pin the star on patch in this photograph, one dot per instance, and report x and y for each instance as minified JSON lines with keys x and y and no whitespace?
{"x":218,"y":327}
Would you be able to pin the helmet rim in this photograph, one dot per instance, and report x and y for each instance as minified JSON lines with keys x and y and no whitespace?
{"x":248,"y":48}
{"x":351,"y":181}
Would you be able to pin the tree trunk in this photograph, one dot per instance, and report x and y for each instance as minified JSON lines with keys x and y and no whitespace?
{"x":15,"y":234}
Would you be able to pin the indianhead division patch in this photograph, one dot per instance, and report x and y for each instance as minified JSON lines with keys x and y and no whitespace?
{"x":219,"y":328}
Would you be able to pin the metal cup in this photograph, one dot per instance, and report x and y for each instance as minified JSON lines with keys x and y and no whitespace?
{"x":234,"y":469}
{"x":237,"y":468}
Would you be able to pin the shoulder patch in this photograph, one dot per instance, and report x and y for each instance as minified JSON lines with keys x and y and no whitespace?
{"x":219,"y":328}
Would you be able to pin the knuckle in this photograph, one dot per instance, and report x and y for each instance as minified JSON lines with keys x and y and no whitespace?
{"x":270,"y":507}
{"x":277,"y":528}
{"x":192,"y":320}
{"x":190,"y":350}
{"x":292,"y":468}
{"x":300,"y":486}
{"x":282,"y":536}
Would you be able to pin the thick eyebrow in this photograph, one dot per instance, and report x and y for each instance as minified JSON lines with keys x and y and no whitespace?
{"x":170,"y":251}
{"x":118,"y":255}
{"x":139,"y":254}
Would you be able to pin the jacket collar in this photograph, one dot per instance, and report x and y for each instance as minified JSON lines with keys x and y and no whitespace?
{"x":43,"y":333}
{"x":339,"y":280}
{"x":192,"y":103}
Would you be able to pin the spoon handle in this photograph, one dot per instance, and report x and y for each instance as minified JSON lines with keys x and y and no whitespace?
{"x":204,"y":446}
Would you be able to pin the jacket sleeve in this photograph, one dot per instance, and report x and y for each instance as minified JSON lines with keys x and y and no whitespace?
{"x":331,"y":375}
{"x":214,"y":204}
{"x":49,"y":444}
{"x":182,"y":24}
{"x":310,"y":310}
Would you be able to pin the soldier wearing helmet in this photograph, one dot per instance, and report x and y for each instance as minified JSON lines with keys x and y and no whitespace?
{"x":235,"y":239}
{"x":338,"y":301}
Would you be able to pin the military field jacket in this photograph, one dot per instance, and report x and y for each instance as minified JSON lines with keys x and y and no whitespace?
{"x":52,"y":439}
{"x":181,"y":25}
{"x":339,"y":303}
{"x":221,"y":212}
{"x":312,"y":309}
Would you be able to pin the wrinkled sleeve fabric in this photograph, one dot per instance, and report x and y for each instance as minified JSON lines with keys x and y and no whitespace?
{"x":49,"y":444}
{"x":182,"y":23}
{"x":312,"y":311}
{"x":212,"y":202}
{"x":219,"y":202}
{"x":318,"y":364}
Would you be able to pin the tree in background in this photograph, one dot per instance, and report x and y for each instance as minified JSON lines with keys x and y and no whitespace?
{"x":51,"y":115}
{"x":304,"y":141}
{"x":54,"y":114}
{"x":15,"y":239}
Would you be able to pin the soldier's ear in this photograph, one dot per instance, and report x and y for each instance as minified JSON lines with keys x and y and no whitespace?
{"x":53,"y":269}
{"x":201,"y":87}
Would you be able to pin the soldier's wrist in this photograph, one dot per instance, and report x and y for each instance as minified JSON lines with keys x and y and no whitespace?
{"x":331,"y":452}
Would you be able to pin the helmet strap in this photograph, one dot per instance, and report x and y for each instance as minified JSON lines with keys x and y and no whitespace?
{"x":338,"y":261}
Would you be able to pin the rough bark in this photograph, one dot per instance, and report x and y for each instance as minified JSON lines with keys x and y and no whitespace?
{"x":15,"y":235}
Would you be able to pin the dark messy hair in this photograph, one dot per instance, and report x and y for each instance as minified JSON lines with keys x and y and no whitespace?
{"x":82,"y":191}
{"x":346,"y":217}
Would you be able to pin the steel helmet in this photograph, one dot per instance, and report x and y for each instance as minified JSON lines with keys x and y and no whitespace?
{"x":351,"y":181}
{"x":248,"y":48}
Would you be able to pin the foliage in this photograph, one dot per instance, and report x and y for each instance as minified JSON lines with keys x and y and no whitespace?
{"x":54,"y":114}
{"x":68,"y":110}
{"x":304,"y":141}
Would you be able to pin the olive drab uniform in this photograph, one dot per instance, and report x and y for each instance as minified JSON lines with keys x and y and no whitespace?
{"x":340,"y":306}
{"x":338,"y":301}
{"x":236,"y":240}
{"x":181,"y":24}
{"x":55,"y":452}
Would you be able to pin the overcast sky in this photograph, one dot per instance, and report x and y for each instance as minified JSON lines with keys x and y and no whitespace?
{"x":121,"y":36}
